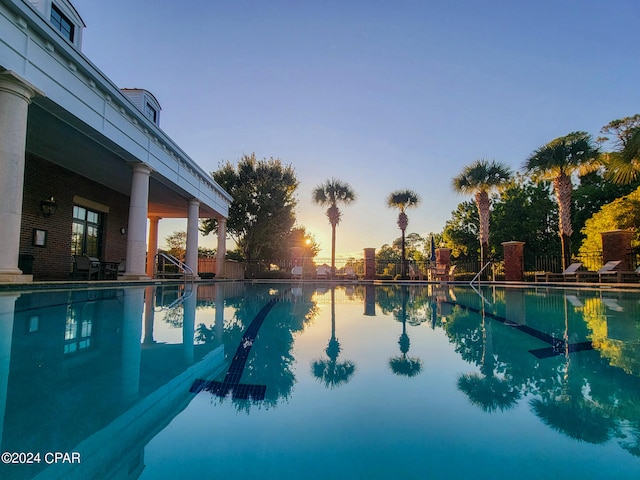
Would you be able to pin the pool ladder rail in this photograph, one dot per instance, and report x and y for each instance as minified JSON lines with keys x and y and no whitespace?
{"x":186,"y":272}
{"x":477,"y":277}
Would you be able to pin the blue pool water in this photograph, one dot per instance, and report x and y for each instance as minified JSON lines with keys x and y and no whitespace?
{"x":236,"y":380}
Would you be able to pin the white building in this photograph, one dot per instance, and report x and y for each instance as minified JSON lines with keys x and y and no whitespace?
{"x":84,"y":164}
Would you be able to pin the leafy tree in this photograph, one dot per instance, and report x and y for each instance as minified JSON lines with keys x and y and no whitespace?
{"x":330,"y":194}
{"x":524,"y":211}
{"x":386,"y":257}
{"x":623,"y":213}
{"x":263,"y":209}
{"x":595,"y":190}
{"x":177,"y":243}
{"x":623,"y":164}
{"x":403,"y":199}
{"x":479,"y":179}
{"x":557,"y":161}
{"x":460,"y":233}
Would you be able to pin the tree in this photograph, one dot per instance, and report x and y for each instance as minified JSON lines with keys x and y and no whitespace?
{"x":402,"y":200}
{"x":525,"y":211}
{"x":177,"y":243}
{"x":557,"y":161}
{"x":263,"y":209}
{"x":460,"y":233}
{"x":330,"y":194}
{"x":479,"y":179}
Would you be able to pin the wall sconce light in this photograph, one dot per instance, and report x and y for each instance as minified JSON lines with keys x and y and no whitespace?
{"x":48,"y":207}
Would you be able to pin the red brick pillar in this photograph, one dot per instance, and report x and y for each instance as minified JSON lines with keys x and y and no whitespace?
{"x":443,"y":257}
{"x":513,"y":261}
{"x":369,"y":263}
{"x":616,"y":245}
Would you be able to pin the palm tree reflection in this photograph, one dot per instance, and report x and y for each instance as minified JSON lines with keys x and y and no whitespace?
{"x":403,"y":364}
{"x":329,"y":371}
{"x":485,"y":389}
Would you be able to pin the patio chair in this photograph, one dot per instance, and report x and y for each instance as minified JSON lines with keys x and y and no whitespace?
{"x":415,"y":273}
{"x":568,"y":274}
{"x":296,"y":272}
{"x":586,"y":276}
{"x":350,"y":273}
{"x":85,"y":266}
{"x":322,"y":271}
{"x":621,"y":276}
{"x":443,"y":273}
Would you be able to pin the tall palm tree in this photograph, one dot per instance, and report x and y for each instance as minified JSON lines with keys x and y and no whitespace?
{"x":479,"y":179}
{"x":557,"y":161}
{"x":330,"y":194}
{"x":403,"y":199}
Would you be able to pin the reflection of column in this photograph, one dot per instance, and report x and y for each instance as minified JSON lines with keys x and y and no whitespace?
{"x":7,"y":308}
{"x":15,"y":97}
{"x":131,"y":334}
{"x":137,"y":228}
{"x":191,"y":255}
{"x":149,"y":315}
{"x":153,"y":245}
{"x":221,"y":254}
{"x":514,"y":299}
{"x":219,"y":326}
{"x":188,"y":325}
{"x":370,"y":300}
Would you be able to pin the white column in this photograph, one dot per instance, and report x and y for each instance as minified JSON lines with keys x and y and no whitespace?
{"x":191,"y":255}
{"x":15,"y":97}
{"x":152,"y":247}
{"x":137,"y":228}
{"x":221,"y":254}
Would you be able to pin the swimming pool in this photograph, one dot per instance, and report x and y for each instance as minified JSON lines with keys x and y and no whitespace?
{"x":251,"y":380}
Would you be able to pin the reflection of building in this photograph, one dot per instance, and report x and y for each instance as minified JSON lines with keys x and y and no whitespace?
{"x":83,"y":164}
{"x":74,"y":377}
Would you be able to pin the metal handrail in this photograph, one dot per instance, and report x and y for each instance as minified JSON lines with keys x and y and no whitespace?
{"x":183,"y":267}
{"x":477,"y":276}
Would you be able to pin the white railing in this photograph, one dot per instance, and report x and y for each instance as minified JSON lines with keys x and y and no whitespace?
{"x":185,"y":270}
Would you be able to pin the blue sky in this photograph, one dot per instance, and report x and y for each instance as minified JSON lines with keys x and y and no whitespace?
{"x":384,"y":95}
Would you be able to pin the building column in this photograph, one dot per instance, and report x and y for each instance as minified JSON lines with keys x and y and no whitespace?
{"x":191,"y":255}
{"x":221,"y":254}
{"x":15,"y":97}
{"x":369,"y":263}
{"x":137,"y":228}
{"x":152,"y":245}
{"x":513,"y":261}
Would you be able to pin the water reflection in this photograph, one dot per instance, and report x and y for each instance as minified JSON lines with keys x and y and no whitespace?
{"x":329,"y":371}
{"x":103,"y":371}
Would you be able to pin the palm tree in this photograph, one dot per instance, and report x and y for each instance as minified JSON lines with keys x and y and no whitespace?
{"x":479,"y":179}
{"x":403,"y":199}
{"x":624,"y":165}
{"x":557,"y":161}
{"x":330,"y":194}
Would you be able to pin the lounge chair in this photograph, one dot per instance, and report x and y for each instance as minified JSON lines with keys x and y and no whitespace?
{"x":621,"y":276}
{"x":586,"y":276}
{"x":568,"y":274}
{"x":322,"y":271}
{"x":85,"y":266}
{"x":350,"y":273}
{"x":415,"y":273}
{"x":296,"y":272}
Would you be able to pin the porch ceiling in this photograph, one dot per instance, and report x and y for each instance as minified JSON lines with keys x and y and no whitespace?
{"x":56,"y":136}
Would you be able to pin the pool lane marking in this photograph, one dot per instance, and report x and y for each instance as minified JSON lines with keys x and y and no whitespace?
{"x":231,"y":382}
{"x":558,"y":346}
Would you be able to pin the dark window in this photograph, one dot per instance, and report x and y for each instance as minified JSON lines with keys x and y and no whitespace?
{"x":62,"y":23}
{"x":150,"y":112}
{"x":86,"y":232}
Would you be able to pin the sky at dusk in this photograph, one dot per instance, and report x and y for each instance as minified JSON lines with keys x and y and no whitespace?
{"x":383,"y":95}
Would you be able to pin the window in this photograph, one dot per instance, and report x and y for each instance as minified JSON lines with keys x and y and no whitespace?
{"x":62,"y":23}
{"x":150,"y":112}
{"x":86,"y":232}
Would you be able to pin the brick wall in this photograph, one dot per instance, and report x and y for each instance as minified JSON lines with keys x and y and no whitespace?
{"x":43,"y":180}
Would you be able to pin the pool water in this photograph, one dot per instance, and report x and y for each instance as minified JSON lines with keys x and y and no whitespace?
{"x":242,"y":380}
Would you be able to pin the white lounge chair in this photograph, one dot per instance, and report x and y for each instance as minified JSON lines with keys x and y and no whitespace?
{"x":568,"y":274}
{"x":296,"y":272}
